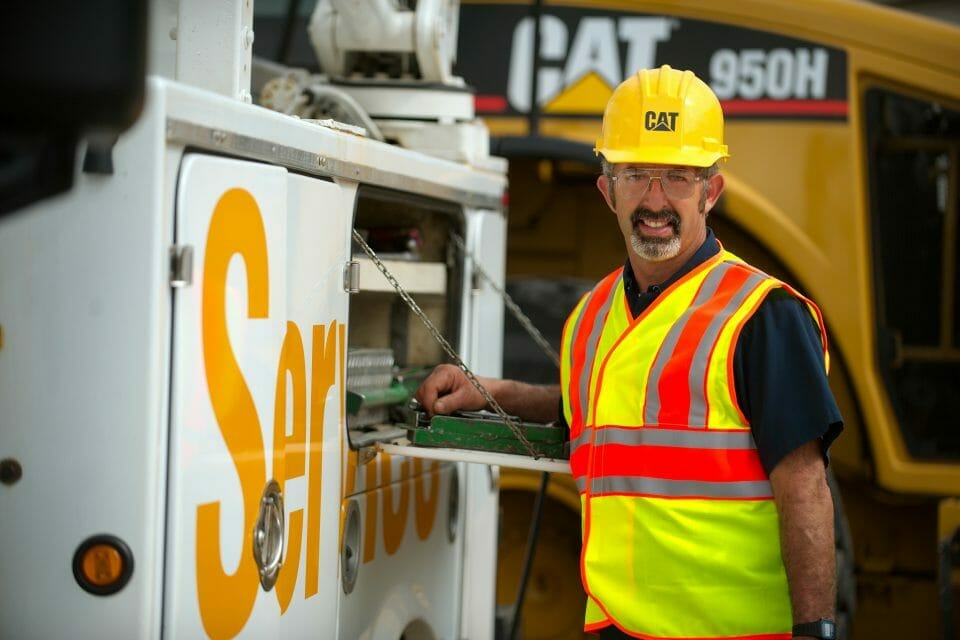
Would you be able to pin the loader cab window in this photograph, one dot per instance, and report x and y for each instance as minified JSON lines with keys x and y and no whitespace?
{"x":913,"y":154}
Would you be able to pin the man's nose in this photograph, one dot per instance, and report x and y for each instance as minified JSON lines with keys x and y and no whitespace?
{"x":655,"y":191}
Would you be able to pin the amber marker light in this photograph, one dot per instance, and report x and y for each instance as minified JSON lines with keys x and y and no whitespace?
{"x":102,"y":564}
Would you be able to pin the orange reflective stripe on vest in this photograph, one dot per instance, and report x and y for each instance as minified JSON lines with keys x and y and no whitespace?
{"x":675,"y":463}
{"x":593,"y":315}
{"x":671,"y":399}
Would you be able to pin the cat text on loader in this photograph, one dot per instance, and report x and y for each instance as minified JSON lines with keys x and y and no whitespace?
{"x":196,"y":357}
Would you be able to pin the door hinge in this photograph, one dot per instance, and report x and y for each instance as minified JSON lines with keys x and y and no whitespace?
{"x":351,"y":276}
{"x":181,"y":265}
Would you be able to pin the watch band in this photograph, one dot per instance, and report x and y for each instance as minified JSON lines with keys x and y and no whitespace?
{"x":823,"y":628}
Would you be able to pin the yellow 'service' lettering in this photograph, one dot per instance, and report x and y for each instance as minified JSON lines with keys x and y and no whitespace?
{"x":370,"y":520}
{"x":323,"y":372}
{"x":394,"y":520}
{"x":289,"y":452}
{"x":226,"y":600}
{"x":425,"y":508}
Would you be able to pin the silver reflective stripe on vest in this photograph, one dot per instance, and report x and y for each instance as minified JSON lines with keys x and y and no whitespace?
{"x":698,"y":367}
{"x":681,"y":438}
{"x":583,"y":384}
{"x":652,"y":405}
{"x":687,"y":439}
{"x":582,"y":439}
{"x":618,"y":485}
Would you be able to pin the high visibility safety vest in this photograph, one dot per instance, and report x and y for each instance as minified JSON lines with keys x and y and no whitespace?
{"x":680,"y":531}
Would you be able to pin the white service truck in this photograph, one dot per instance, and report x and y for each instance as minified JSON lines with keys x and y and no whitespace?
{"x":180,"y":333}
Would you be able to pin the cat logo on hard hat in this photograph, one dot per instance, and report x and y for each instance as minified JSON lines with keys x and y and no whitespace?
{"x":660,"y":120}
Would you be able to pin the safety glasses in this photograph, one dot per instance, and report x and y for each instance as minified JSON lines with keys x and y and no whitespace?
{"x":676,"y":183}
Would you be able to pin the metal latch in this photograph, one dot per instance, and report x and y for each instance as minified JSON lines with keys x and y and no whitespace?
{"x":351,"y":276}
{"x":181,"y":265}
{"x":350,"y":547}
{"x":268,"y":535}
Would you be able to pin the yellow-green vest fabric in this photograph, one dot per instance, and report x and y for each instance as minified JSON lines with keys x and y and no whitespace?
{"x":680,"y":530}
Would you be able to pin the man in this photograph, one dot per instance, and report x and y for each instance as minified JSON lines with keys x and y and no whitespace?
{"x":695,"y":390}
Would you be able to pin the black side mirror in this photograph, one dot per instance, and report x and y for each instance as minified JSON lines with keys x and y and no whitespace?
{"x":67,"y":68}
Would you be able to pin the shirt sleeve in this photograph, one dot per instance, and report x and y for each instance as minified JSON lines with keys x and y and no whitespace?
{"x":780,"y":381}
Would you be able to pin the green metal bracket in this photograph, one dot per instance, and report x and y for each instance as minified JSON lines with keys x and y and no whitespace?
{"x":401,"y":389}
{"x":487,"y":432}
{"x":370,"y":398}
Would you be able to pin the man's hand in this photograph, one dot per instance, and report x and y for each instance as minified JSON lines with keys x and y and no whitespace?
{"x":447,"y":389}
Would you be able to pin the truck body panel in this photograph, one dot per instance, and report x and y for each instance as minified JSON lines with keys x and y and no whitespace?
{"x":153,"y":399}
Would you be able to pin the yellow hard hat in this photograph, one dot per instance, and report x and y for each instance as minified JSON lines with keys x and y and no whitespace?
{"x":663,"y":116}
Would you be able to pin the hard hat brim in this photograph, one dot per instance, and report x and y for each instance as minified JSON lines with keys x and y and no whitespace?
{"x":689,"y":157}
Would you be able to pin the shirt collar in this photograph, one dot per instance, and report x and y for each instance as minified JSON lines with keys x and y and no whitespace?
{"x":707,"y":250}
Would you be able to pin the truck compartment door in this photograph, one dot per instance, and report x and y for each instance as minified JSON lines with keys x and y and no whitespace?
{"x":255,"y":437}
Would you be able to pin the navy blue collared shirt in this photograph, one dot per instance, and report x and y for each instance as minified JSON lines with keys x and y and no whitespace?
{"x":778,"y":369}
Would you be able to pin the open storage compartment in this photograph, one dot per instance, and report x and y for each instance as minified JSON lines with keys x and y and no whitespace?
{"x":390,"y":349}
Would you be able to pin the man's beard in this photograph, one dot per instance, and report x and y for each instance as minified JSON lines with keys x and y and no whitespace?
{"x":655,"y":248}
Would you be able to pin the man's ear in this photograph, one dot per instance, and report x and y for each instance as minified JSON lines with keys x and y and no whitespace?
{"x":603,"y":184}
{"x":714,"y":187}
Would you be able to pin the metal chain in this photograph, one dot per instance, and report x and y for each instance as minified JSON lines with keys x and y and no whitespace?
{"x":515,"y":310}
{"x":494,"y":405}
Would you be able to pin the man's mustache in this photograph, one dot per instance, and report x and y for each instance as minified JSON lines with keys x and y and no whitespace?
{"x":671,"y":216}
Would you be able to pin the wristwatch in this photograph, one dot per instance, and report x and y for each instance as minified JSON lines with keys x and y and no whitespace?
{"x":822,"y":628}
